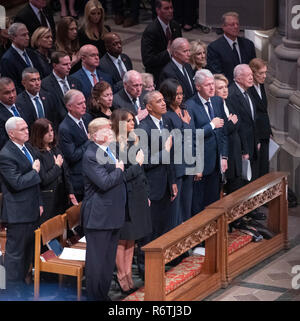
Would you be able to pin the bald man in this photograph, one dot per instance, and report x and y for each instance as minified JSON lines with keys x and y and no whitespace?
{"x":89,"y":74}
{"x":114,"y":61}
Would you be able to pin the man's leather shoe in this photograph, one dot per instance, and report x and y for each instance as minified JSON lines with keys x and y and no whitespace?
{"x":257,"y":215}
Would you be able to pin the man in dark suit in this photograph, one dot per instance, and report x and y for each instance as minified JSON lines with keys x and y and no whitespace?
{"x":36,"y":14}
{"x":114,"y":62}
{"x":208,"y":113}
{"x":89,"y":75}
{"x":131,"y":96}
{"x":179,"y":68}
{"x":18,"y":56}
{"x":34,"y":102}
{"x":73,"y":138}
{"x":157,"y":38}
{"x":59,"y":81}
{"x":103,"y":208}
{"x":21,"y":204}
{"x":8,"y":106}
{"x":229,"y":50}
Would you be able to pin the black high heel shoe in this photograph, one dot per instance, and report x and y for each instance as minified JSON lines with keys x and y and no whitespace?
{"x":127,"y":292}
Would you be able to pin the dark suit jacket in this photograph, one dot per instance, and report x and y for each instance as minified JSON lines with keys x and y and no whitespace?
{"x":49,"y":103}
{"x":4,"y":116}
{"x":220,"y":58}
{"x":121,"y":100}
{"x":215,"y":140}
{"x":107,"y":66}
{"x":12,"y":65}
{"x":20,"y":185}
{"x":172,"y":71}
{"x":51,"y":85}
{"x":237,"y":100}
{"x":263,"y":127}
{"x":103,"y":206}
{"x":160,"y":176}
{"x":27,"y":16}
{"x":154,"y":46}
{"x":86,"y":86}
{"x":73,"y":143}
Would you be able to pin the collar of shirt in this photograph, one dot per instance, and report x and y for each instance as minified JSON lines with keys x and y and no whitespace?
{"x":240,"y":88}
{"x":163,"y":25}
{"x":103,"y":147}
{"x":58,"y":78}
{"x":180,"y":66}
{"x":115,"y":61}
{"x":203,"y":101}
{"x":76,"y":120}
{"x":19,"y":51}
{"x":231,"y":41}
{"x":8,"y":107}
{"x":32,"y":97}
{"x":88,"y":73}
{"x":37,"y":13}
{"x":257,"y":87}
{"x":156,"y":121}
{"x":19,"y":146}
{"x":129,"y":96}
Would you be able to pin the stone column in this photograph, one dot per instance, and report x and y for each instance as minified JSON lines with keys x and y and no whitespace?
{"x":284,"y":97}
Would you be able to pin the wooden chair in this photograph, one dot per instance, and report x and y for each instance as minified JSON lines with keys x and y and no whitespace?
{"x":73,"y":221}
{"x":54,"y":228}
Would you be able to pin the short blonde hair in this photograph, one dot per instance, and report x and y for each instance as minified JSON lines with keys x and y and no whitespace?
{"x":38,"y":34}
{"x":96,"y":124}
{"x":222,"y":78}
{"x":146,"y":77}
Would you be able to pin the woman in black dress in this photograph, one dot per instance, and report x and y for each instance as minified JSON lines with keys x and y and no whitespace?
{"x":56,"y":188}
{"x":101,"y":99}
{"x":42,"y":42}
{"x":138,"y":222}
{"x":93,"y":28}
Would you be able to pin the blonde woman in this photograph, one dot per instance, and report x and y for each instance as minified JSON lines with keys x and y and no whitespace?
{"x":148,"y":81}
{"x":198,"y":55}
{"x":93,"y":28}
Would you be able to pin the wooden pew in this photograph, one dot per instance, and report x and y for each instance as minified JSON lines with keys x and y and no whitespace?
{"x":207,"y":225}
{"x":270,"y":189}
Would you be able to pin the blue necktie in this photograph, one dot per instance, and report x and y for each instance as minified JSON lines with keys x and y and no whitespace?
{"x":110,"y":154}
{"x":135,"y":104}
{"x":80,"y":123}
{"x":210,"y":110}
{"x":27,"y":154}
{"x":15,"y":111}
{"x":161,"y":126}
{"x":39,"y":107}
{"x":27,"y":59}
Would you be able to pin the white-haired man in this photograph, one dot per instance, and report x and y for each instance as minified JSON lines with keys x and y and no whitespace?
{"x":22,"y":204}
{"x":179,"y":67}
{"x":73,"y":137}
{"x":208,"y":113}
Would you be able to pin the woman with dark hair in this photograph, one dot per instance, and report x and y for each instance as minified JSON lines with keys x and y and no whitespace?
{"x":93,"y":28}
{"x":101,"y":99}
{"x":180,"y":119}
{"x":138,"y":223}
{"x":4,"y":38}
{"x":56,"y":188}
{"x":67,"y":41}
{"x":42,"y":42}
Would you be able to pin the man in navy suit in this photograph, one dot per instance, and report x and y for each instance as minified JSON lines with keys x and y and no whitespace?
{"x":8,"y":106}
{"x":21,"y":204}
{"x":103,"y":208}
{"x":114,"y":62}
{"x":59,"y":81}
{"x":208,"y":113}
{"x":179,"y":68}
{"x":73,"y":137}
{"x":18,"y":56}
{"x":131,"y":96}
{"x":89,"y":75}
{"x":36,"y":14}
{"x":36,"y":103}
{"x":229,"y":50}
{"x":157,"y":38}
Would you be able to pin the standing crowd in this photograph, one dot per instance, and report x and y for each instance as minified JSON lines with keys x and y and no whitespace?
{"x":73,"y":114}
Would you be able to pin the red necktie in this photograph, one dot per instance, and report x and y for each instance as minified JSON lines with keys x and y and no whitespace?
{"x":94,"y":78}
{"x":168,"y":34}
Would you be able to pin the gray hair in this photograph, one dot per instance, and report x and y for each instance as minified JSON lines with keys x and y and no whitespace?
{"x":177,"y":43}
{"x":70,"y":95}
{"x":29,"y":70}
{"x":229,"y":14}
{"x":149,"y":95}
{"x":129,"y":74}
{"x":4,"y":81}
{"x":13,"y":29}
{"x":11,"y":123}
{"x":239,"y":70}
{"x":201,"y":75}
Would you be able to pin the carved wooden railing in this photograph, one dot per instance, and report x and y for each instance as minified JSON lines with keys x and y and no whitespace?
{"x":211,"y":225}
{"x":270,"y":190}
{"x":206,"y":226}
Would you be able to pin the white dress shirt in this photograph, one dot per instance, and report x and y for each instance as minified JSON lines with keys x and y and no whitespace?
{"x":59,"y":81}
{"x":204,"y":101}
{"x":115,"y":62}
{"x":77,"y":122}
{"x":34,"y":103}
{"x":231,"y":45}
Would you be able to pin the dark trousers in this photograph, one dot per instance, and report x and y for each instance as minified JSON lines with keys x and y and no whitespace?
{"x":233,"y":184}
{"x":185,"y":13}
{"x":18,"y":251}
{"x":100,"y":262}
{"x":134,"y":7}
{"x":263,"y":168}
{"x":205,"y":191}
